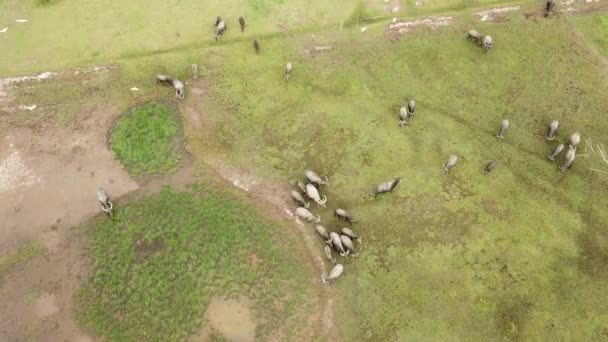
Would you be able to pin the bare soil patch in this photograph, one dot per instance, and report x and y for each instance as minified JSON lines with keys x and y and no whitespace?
{"x":38,"y":299}
{"x":496,"y":14}
{"x":399,"y":28}
{"x":312,"y":49}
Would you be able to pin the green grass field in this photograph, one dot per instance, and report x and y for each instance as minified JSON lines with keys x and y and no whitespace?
{"x":520,"y":254}
{"x":159,"y":261}
{"x":462,"y":256}
{"x":144,"y":140}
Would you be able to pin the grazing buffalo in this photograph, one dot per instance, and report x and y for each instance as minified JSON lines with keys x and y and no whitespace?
{"x":328,"y":255}
{"x":487,"y":43}
{"x":288,"y":71}
{"x":386,"y":186}
{"x":104,"y":200}
{"x":306,"y":215}
{"x":411,"y":108}
{"x":549,"y":7}
{"x":489,"y":167}
{"x":242,"y":23}
{"x":570,"y":156}
{"x":322,"y":232}
{"x":164,"y":79}
{"x":347,"y":243}
{"x":256,"y":45}
{"x":402,"y":117}
{"x":301,"y":186}
{"x":344,"y":215}
{"x":558,"y":149}
{"x":314,"y":178}
{"x":336,"y":243}
{"x":335,"y":273}
{"x":450,"y":163}
{"x":299,"y":199}
{"x":474,"y":36}
{"x":504,"y":126}
{"x":220,"y":28}
{"x":552,"y":130}
{"x":313,"y":194}
{"x":351,"y":234}
{"x":194,"y":67}
{"x":575,"y":139}
{"x":180,"y":90}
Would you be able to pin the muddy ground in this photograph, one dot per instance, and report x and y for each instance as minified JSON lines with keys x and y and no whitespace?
{"x":48,"y":178}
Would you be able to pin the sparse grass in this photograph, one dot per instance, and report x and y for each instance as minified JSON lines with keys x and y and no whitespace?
{"x":45,"y":2}
{"x":144,"y":140}
{"x":160,"y":260}
{"x":21,"y":257}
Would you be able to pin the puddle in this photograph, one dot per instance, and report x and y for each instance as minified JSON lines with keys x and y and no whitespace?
{"x":232,"y":318}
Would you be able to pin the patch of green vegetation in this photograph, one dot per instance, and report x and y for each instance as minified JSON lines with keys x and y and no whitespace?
{"x":595,"y":28}
{"x":144,"y":140}
{"x":21,"y":257}
{"x":161,"y":258}
{"x":45,"y":2}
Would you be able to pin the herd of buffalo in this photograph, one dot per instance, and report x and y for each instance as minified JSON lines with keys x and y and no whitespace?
{"x":342,"y":242}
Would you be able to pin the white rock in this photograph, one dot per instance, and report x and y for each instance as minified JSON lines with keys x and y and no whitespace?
{"x":364,"y":29}
{"x":21,"y":21}
{"x":4,"y":30}
{"x":134,"y":89}
{"x":30,"y":108}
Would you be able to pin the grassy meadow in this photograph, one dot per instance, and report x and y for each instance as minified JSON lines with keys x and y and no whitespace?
{"x":463,"y":256}
{"x":520,"y":254}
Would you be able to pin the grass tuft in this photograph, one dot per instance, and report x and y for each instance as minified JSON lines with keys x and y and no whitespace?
{"x":144,"y":140}
{"x":45,"y":2}
{"x":26,"y":253}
